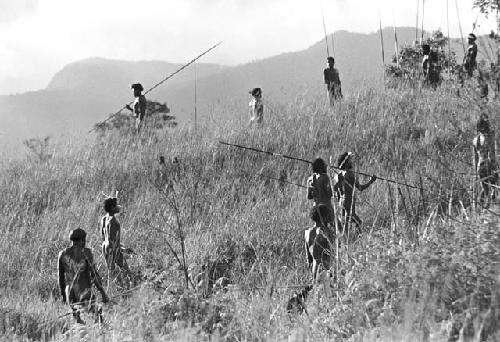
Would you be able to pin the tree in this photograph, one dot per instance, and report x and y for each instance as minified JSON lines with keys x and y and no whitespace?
{"x":409,"y":66}
{"x":157,"y":117}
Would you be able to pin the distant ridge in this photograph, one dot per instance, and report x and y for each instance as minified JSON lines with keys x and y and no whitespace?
{"x":85,"y":92}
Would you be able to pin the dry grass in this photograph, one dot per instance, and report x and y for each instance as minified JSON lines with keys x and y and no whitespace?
{"x":226,"y":210}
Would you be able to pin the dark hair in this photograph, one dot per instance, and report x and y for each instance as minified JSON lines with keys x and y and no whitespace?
{"x":426,"y":49}
{"x":483,"y":124}
{"x":342,"y":161}
{"x":319,"y":166}
{"x":77,"y":235}
{"x":331,"y":59}
{"x":319,"y":214}
{"x":110,"y":203}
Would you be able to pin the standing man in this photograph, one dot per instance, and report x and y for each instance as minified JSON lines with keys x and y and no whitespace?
{"x":485,"y":158}
{"x":332,"y":81}
{"x":345,"y":184}
{"x":139,"y":105}
{"x":76,"y":274}
{"x":111,"y":235}
{"x":320,"y":192}
{"x":470,"y":58}
{"x":256,"y":106}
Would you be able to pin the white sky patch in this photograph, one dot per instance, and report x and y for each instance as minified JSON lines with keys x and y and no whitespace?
{"x":41,"y":36}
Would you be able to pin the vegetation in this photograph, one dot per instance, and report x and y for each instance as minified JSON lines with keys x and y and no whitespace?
{"x":425,"y":267}
{"x":407,"y":65}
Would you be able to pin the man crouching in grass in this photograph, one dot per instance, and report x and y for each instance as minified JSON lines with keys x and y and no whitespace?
{"x":76,"y":275}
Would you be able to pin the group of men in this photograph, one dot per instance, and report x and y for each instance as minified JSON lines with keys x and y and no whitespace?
{"x":431,"y":66}
{"x":76,"y":268}
{"x":328,"y":227}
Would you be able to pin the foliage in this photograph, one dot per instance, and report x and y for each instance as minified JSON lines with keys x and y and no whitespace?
{"x":157,"y":117}
{"x":408,"y":66}
{"x":487,"y":6}
{"x":39,"y":148}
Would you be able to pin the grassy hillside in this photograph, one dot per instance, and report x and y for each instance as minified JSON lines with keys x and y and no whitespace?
{"x":424,"y":261}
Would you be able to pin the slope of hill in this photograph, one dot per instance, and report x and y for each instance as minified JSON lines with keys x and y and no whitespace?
{"x":85,"y":92}
{"x":424,"y":263}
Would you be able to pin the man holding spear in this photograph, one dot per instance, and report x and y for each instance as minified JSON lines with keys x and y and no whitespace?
{"x":332,"y":81}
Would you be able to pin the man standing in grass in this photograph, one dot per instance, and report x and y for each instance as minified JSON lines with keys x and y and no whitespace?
{"x":485,"y":158}
{"x":111,"y":234}
{"x":470,"y":58}
{"x":332,"y":81}
{"x":76,"y":274}
{"x":320,"y":192}
{"x":345,"y":184}
{"x":139,"y":106}
{"x":256,"y":107}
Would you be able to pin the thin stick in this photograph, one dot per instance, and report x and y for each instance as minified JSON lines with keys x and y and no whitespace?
{"x":416,"y":24}
{"x":460,"y":27}
{"x":381,"y":43}
{"x":309,"y":162}
{"x":283,"y":181}
{"x":324,"y":29}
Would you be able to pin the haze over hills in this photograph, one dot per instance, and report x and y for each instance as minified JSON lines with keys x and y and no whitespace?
{"x":87,"y":91}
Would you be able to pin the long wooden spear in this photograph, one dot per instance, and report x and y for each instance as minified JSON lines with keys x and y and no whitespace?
{"x":158,"y":84}
{"x":382,"y":44}
{"x":416,"y":24}
{"x":324,"y":30}
{"x":309,"y":162}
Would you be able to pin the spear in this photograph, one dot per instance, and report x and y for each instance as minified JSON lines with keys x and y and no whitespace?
{"x":158,"y":84}
{"x":309,"y":162}
{"x":381,"y":39}
{"x":283,"y":181}
{"x":324,"y":30}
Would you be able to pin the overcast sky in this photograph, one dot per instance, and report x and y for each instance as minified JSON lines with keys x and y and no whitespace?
{"x":39,"y":37}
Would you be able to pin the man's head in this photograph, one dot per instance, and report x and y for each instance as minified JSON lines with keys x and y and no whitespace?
{"x":137,"y":89}
{"x":471,"y":38}
{"x":483,"y":124}
{"x":256,"y":92}
{"x":331,"y":61}
{"x":320,"y":215}
{"x":78,"y":236}
{"x":111,"y":205}
{"x":318,"y":166}
{"x":426,"y":49}
{"x":345,"y":161}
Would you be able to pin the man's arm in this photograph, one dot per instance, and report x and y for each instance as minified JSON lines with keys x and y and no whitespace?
{"x":362,"y":187}
{"x":62,"y":278}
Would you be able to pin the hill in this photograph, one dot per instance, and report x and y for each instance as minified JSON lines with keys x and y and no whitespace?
{"x":426,"y":261}
{"x":85,"y":92}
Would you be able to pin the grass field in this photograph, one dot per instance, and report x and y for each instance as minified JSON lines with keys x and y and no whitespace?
{"x":426,"y":261}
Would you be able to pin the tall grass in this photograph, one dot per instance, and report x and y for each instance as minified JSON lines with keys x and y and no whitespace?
{"x":389,"y":277}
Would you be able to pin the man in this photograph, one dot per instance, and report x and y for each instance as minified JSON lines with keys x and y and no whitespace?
{"x":317,"y":246}
{"x":332,"y":81}
{"x":345,"y":184}
{"x":430,"y":66}
{"x":76,"y":274}
{"x":256,"y":106}
{"x":470,"y":57}
{"x":139,"y":105}
{"x":320,"y":192}
{"x":111,"y":235}
{"x":485,"y":158}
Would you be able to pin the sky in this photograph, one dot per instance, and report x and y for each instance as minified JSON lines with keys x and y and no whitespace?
{"x":39,"y":37}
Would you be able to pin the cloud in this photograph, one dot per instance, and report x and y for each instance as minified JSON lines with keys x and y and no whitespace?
{"x":10,"y":10}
